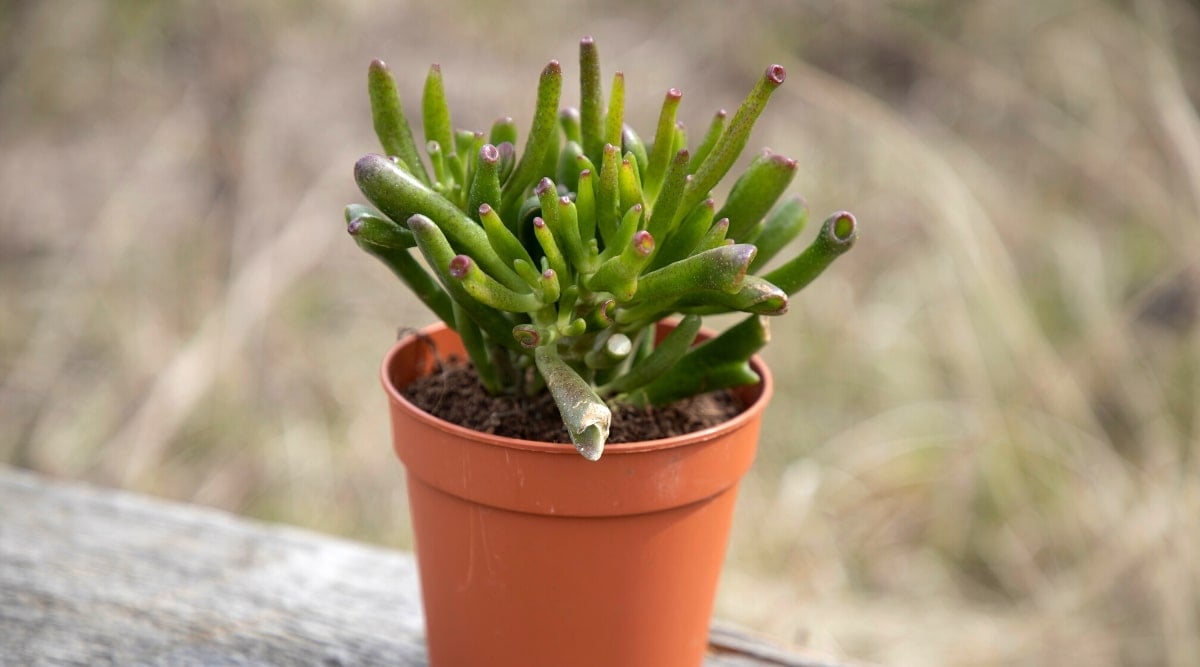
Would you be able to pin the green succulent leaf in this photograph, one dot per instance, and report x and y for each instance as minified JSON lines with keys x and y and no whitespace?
{"x":591,"y":108}
{"x":607,"y":195}
{"x":567,"y":169}
{"x":368,"y":227}
{"x":500,"y":238}
{"x":585,"y":204}
{"x":733,"y":139}
{"x":567,"y":231}
{"x":438,"y":253}
{"x":485,"y":181}
{"x":568,"y":120}
{"x":608,"y":351}
{"x":714,"y":237}
{"x":755,"y":192}
{"x":587,"y":418}
{"x":399,"y":195}
{"x":715,"y":128}
{"x":390,"y":124}
{"x":629,"y":186}
{"x":541,"y":134}
{"x":718,"y":363}
{"x":722,"y":269}
{"x":614,"y":120}
{"x":838,"y":234}
{"x":467,"y":145}
{"x":666,"y":205}
{"x":686,"y":236}
{"x":503,"y":130}
{"x":487,"y":290}
{"x":477,"y":350}
{"x":756,"y":295}
{"x":550,"y":248}
{"x":664,"y":139}
{"x":435,"y":111}
{"x":783,"y":225}
{"x":631,"y":143}
{"x":619,"y":275}
{"x":666,"y":354}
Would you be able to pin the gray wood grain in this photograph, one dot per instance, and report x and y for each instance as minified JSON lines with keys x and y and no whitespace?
{"x":90,"y":576}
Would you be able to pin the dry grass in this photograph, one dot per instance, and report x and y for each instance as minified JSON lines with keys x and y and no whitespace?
{"x":984,"y":450}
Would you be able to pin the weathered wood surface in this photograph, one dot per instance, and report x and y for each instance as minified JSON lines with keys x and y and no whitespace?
{"x":92,"y":577}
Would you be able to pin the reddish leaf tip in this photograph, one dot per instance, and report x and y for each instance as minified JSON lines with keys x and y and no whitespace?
{"x":459,"y":266}
{"x":779,"y":159}
{"x":643,"y":243}
{"x":526,"y":335}
{"x":606,"y":310}
{"x":776,"y":74}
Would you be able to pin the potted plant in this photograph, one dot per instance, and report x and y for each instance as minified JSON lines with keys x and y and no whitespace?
{"x":575,"y":273}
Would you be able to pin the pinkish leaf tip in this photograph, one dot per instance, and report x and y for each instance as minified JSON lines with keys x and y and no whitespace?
{"x":776,"y":74}
{"x":459,"y":266}
{"x":643,"y":243}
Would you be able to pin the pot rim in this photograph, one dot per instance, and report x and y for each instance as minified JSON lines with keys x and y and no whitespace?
{"x":756,"y":404}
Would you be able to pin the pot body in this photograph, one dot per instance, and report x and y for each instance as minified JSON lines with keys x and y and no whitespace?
{"x":531,"y":556}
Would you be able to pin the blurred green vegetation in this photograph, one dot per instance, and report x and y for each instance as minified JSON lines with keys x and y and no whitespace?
{"x":984,"y":445}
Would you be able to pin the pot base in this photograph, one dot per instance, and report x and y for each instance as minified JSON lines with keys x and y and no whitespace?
{"x":520,"y":590}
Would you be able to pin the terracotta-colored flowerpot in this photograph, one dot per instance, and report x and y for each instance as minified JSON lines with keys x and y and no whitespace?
{"x":531,"y":556}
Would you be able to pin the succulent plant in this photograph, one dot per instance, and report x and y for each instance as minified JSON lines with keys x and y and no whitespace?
{"x":555,"y":265}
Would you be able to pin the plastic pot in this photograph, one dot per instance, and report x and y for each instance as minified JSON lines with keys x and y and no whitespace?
{"x":531,"y":556}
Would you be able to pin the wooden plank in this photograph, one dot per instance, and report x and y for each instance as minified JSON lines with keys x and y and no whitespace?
{"x":92,"y":576}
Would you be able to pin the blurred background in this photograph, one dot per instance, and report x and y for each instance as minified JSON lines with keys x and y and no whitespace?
{"x":984,"y":445}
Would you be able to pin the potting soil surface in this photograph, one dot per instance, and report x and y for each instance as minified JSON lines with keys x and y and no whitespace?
{"x":453,"y":393}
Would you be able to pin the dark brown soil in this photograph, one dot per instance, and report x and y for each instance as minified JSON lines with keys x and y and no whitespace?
{"x":453,"y":393}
